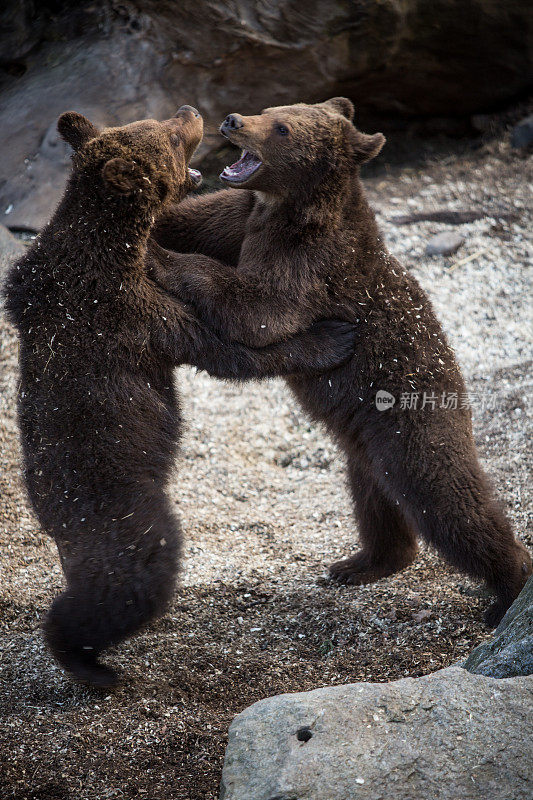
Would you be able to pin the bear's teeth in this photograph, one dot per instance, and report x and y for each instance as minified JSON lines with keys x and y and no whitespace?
{"x":244,"y":167}
{"x":195,"y":175}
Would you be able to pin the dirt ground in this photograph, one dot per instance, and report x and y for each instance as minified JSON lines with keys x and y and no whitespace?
{"x":264,"y":510}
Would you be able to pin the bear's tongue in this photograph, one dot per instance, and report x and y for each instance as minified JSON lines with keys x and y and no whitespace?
{"x":243,"y":168}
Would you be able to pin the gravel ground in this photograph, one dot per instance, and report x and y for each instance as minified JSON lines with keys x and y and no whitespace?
{"x":264,"y":510}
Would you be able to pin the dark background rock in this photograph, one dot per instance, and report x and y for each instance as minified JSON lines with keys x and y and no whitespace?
{"x":121,"y":61}
{"x":522,"y":133}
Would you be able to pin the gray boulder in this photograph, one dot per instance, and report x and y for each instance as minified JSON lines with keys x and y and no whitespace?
{"x":510,"y":651}
{"x":444,"y":736}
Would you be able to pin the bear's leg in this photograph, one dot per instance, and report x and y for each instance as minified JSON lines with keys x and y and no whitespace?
{"x":449,"y":502}
{"x":478,"y":540}
{"x":114,"y":587}
{"x":388,"y":543}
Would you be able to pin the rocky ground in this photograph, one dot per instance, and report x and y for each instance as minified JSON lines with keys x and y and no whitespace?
{"x":264,"y":509}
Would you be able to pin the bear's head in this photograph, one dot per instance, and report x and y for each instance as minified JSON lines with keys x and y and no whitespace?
{"x":294,"y":148}
{"x":147,"y":161}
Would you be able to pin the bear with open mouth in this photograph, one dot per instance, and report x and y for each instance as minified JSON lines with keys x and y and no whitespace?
{"x":98,"y":412}
{"x":293,"y":240}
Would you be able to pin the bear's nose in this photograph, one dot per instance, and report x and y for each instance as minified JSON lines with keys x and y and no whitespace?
{"x":232,"y":122}
{"x":191,"y":109}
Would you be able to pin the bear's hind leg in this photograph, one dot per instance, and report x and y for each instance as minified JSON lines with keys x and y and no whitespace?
{"x":113,"y":590}
{"x":454,"y":510}
{"x":388,"y":543}
{"x":74,"y":632}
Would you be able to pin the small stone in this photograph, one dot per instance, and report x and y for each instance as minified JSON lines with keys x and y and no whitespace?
{"x":420,"y":616}
{"x":522,"y":133}
{"x":444,"y":244}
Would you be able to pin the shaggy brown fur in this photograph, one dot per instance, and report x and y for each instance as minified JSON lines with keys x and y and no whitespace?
{"x":98,"y":413}
{"x":304,"y":244}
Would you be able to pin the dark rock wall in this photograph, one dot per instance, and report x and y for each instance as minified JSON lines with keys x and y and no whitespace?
{"x":118,"y":61}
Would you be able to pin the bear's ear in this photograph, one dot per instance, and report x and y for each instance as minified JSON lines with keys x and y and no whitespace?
{"x":342,"y":106}
{"x":76,"y":129}
{"x":367,"y":147}
{"x":124,"y":177}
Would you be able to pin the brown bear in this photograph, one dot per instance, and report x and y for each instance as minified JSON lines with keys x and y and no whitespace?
{"x":98,"y":412}
{"x":300,"y":242}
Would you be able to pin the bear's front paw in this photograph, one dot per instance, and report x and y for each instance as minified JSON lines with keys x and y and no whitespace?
{"x":193,"y":284}
{"x":355,"y":571}
{"x":335,"y":340}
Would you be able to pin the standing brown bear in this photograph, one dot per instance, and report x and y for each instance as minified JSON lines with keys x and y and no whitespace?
{"x":98,"y":413}
{"x":302,"y":243}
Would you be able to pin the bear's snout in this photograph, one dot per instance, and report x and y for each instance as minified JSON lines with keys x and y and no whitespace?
{"x":186,"y":108}
{"x":232,"y":123}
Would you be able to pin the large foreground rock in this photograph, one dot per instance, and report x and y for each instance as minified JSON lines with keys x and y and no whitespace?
{"x":510,"y":651}
{"x":447,"y":736}
{"x":121,"y":61}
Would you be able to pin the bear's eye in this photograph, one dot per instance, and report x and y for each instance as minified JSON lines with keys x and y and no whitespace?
{"x":282,"y":130}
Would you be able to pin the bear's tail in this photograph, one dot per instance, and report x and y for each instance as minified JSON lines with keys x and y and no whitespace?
{"x":117,"y":582}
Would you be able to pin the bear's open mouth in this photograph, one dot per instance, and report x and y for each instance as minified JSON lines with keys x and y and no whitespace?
{"x":195,"y":175}
{"x":243,"y":169}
